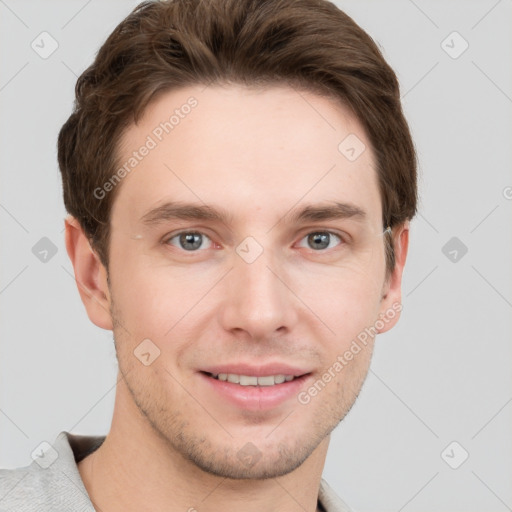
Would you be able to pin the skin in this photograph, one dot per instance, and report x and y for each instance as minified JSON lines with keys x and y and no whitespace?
{"x":259,"y":154}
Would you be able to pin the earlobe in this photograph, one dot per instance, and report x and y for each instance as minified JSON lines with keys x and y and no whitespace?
{"x":391,"y":303}
{"x":90,"y":275}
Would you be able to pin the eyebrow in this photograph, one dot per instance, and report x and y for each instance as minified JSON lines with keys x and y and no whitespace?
{"x":333,"y":211}
{"x":184,"y":211}
{"x":309,"y":213}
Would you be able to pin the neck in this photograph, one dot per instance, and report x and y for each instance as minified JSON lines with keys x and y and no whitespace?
{"x":135,"y":469}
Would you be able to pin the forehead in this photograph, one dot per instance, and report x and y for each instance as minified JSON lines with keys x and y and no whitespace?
{"x":247,"y":151}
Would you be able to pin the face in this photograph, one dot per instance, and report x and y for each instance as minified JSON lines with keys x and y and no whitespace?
{"x":246,"y":250}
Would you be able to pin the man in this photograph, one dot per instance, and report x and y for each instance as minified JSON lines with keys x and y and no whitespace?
{"x":240,"y":179}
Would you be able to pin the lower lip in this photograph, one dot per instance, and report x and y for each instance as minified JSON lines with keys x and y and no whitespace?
{"x":256,"y":398}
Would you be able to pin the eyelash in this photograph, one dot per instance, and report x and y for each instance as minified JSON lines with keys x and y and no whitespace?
{"x":342,"y":239}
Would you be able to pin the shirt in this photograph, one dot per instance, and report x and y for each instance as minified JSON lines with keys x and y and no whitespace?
{"x":52,"y":482}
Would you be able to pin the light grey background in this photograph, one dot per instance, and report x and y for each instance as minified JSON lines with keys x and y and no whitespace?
{"x":442,"y":375}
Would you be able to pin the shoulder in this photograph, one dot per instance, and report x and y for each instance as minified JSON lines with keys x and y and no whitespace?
{"x":50,"y":483}
{"x":21,"y":487}
{"x":330,"y":501}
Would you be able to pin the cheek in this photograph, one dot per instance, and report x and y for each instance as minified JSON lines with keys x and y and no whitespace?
{"x":157,"y":301}
{"x":345,"y":297}
{"x":348,"y":311}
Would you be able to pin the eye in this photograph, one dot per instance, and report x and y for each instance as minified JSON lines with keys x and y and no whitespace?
{"x":192,"y":241}
{"x":189,"y":240}
{"x":320,"y":240}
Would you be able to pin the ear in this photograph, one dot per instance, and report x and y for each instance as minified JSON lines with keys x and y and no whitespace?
{"x":391,"y":302}
{"x":90,"y":275}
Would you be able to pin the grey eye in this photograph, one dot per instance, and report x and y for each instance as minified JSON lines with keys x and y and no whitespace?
{"x":188,"y":240}
{"x":319,"y":240}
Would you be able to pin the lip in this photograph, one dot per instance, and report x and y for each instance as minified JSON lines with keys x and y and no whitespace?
{"x":262,"y":370}
{"x":255,"y":398}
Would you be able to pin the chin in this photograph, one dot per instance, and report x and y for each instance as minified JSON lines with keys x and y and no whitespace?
{"x":249,"y":463}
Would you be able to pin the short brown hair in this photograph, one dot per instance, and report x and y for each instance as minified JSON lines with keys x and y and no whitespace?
{"x":163,"y":45}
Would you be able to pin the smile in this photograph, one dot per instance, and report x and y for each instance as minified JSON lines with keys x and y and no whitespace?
{"x":252,"y":380}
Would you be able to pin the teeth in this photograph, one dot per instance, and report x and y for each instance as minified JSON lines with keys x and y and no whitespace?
{"x":251,"y":380}
{"x":245,"y":380}
{"x":266,"y":381}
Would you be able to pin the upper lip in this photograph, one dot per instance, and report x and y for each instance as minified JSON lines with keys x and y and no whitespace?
{"x":261,"y":370}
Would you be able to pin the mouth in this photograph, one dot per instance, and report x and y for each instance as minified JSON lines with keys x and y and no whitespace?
{"x":267,"y":391}
{"x":268,"y":385}
{"x":252,"y":380}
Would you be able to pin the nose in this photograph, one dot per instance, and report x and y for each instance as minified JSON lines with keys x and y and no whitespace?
{"x":257,"y":298}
